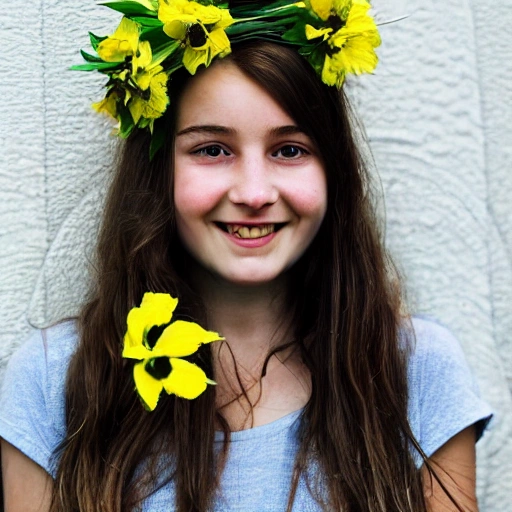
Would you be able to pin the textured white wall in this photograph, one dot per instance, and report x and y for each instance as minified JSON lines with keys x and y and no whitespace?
{"x":438,"y":113}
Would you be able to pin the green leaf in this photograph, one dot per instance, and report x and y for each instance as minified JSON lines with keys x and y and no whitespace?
{"x":126,"y":121}
{"x":160,"y":55}
{"x":96,"y":40}
{"x":296,"y":33}
{"x":157,"y":138}
{"x":217,"y":3}
{"x":156,"y":36}
{"x":146,"y":21}
{"x":131,"y":7}
{"x":96,"y":66}
{"x":275,"y":9}
{"x":317,"y":59}
{"x":90,"y":58}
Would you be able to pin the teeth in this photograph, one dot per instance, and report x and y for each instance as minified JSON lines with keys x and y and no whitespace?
{"x":244,"y":232}
{"x":241,"y":231}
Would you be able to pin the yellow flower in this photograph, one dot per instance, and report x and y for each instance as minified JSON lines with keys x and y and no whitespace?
{"x":199,"y":27}
{"x":150,"y":99}
{"x":121,"y":44}
{"x":141,"y":88}
{"x":351,"y":36}
{"x":108,"y":105}
{"x":159,"y":345}
{"x":325,"y":9}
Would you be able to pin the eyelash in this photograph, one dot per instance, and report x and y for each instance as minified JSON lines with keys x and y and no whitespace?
{"x":300,"y":151}
{"x":220,"y":150}
{"x":203,"y":151}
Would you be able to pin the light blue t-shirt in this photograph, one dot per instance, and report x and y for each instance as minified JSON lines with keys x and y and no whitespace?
{"x":443,"y":401}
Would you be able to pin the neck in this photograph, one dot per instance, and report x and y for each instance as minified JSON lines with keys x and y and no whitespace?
{"x":253,"y":319}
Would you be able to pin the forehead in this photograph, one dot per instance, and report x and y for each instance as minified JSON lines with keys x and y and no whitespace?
{"x":224,"y":95}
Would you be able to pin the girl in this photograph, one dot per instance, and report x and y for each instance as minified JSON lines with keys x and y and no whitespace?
{"x":255,"y":214}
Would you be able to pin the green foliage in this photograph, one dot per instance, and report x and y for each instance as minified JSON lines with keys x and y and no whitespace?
{"x":90,"y":58}
{"x":97,"y":66}
{"x":157,"y":137}
{"x":147,"y":22}
{"x":130,"y":7}
{"x":126,"y":121}
{"x":96,"y":40}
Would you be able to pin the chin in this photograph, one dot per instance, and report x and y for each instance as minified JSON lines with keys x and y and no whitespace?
{"x":251,"y":282}
{"x":252,"y":279}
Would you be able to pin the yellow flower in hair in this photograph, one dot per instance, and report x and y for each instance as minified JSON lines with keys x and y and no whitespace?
{"x":200,"y":28}
{"x":121,"y":44}
{"x":150,"y":100}
{"x":159,"y":345}
{"x":108,"y":105}
{"x":351,"y":36}
{"x":325,"y":9}
{"x":354,"y":46}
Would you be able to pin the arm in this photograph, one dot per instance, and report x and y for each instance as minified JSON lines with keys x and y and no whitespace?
{"x":455,"y":464}
{"x":27,"y":486}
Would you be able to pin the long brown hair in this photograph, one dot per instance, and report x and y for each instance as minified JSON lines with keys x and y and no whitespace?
{"x":347,"y":318}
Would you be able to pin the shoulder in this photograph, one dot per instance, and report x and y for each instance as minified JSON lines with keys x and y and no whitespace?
{"x":430,"y":336}
{"x":32,"y":397}
{"x":443,"y":394}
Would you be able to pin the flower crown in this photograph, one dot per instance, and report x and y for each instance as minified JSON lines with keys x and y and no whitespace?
{"x":157,"y":37}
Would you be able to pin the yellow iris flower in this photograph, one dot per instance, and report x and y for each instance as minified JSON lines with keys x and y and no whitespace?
{"x":121,"y":44}
{"x":108,"y":105}
{"x":159,"y":344}
{"x":327,"y":8}
{"x":199,"y":27}
{"x":352,"y":46}
{"x":144,"y":87}
{"x":152,"y":100}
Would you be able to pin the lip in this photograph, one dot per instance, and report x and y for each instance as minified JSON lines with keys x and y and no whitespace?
{"x":250,"y":243}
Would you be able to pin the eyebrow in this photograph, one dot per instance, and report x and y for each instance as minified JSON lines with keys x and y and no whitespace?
{"x":286,"y":130}
{"x":207,"y":128}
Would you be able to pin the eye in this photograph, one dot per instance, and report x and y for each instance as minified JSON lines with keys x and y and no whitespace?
{"x":289,"y":152}
{"x":212,"y":151}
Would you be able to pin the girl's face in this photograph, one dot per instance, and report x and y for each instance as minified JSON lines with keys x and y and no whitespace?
{"x":249,"y":186}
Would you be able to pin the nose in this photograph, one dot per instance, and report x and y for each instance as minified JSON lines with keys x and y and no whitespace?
{"x":253,"y":184}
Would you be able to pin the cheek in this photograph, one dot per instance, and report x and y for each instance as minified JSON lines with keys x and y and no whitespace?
{"x":194,"y":196}
{"x":309,"y":198}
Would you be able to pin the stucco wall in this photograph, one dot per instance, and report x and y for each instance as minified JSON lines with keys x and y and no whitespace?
{"x":438,"y":113}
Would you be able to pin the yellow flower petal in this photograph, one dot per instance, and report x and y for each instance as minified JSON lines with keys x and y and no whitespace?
{"x":192,"y":59}
{"x":108,"y":105}
{"x":176,"y":29}
{"x":322,"y":8}
{"x":190,"y":12}
{"x":122,"y":43}
{"x":219,"y":44}
{"x":331,"y":73}
{"x":313,"y":33}
{"x":225,"y":19}
{"x":156,"y":104}
{"x":148,"y":387}
{"x":155,"y":309}
{"x":136,"y":351}
{"x":143,"y":60}
{"x":342,"y":7}
{"x":186,"y":380}
{"x":183,"y":338}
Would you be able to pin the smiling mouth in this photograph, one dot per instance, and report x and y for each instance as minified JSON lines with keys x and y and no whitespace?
{"x":249,"y":231}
